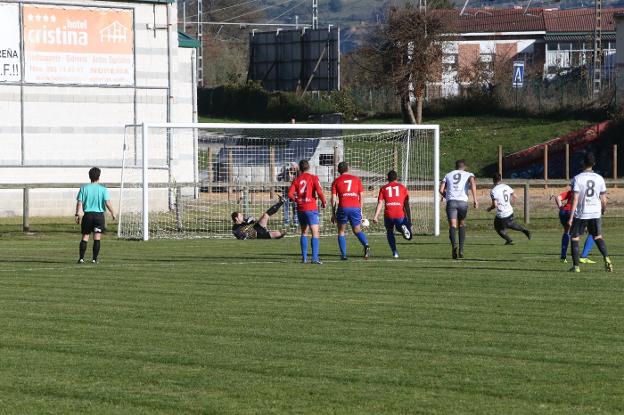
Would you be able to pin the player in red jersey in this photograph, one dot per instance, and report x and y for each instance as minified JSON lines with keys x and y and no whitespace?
{"x":304,"y":191}
{"x":564,"y":203}
{"x":397,"y":212}
{"x":346,"y":201}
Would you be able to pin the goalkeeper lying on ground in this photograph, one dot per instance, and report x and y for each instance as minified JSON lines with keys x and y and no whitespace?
{"x":250,"y":228}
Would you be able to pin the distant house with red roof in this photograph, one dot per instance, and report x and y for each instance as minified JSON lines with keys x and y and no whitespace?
{"x":549,"y":41}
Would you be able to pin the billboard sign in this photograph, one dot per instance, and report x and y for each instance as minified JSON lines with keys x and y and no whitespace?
{"x":9,"y":43}
{"x":78,"y":45}
{"x":290,"y":60}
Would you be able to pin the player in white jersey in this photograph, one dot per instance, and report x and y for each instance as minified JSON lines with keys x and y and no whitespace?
{"x":503,"y":199}
{"x":454,"y":188}
{"x":589,"y":204}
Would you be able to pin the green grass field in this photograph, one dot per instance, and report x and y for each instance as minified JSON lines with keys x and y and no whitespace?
{"x":225,"y":326}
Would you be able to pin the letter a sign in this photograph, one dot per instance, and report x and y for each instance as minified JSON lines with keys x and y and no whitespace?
{"x":518,"y":74}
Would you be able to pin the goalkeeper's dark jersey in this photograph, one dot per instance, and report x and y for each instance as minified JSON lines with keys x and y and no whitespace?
{"x":245,"y":230}
{"x":250,"y":229}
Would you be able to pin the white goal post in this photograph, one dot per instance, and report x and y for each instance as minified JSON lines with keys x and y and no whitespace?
{"x":183,"y":180}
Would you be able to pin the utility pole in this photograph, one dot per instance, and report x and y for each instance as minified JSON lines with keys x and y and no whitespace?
{"x":314,"y":14}
{"x":597,"y":75}
{"x":200,"y":52}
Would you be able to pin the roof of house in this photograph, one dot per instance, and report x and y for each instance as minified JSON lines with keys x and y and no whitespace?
{"x":499,"y":20}
{"x":579,"y":20}
{"x":533,"y":20}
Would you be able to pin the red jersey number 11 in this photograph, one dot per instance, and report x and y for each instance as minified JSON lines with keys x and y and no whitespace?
{"x":391,"y":188}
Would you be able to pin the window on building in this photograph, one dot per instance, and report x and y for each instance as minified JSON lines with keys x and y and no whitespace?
{"x":450,"y":62}
{"x":326,"y":159}
{"x":487,"y":59}
{"x":526,"y":57}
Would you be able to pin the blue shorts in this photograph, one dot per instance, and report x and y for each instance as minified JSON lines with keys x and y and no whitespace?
{"x":392,"y":224}
{"x":353,"y":216}
{"x":308,"y":217}
{"x":564,"y":217}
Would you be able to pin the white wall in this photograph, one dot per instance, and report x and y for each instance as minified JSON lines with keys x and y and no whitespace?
{"x":65,"y":126}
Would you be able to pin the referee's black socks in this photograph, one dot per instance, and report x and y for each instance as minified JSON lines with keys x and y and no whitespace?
{"x":96,"y":249}
{"x":83,"y":249}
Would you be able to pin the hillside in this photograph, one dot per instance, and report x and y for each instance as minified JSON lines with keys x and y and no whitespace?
{"x":348,"y":13}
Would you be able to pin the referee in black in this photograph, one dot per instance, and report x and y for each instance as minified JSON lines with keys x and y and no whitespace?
{"x":93,"y":199}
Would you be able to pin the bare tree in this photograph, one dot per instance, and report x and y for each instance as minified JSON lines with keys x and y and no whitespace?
{"x":407,"y":50}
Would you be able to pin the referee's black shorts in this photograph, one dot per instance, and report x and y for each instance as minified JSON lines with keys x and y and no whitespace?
{"x":93,"y":222}
{"x":579,"y":226}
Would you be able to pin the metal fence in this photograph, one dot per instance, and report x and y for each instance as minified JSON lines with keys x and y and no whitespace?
{"x":535,"y":201}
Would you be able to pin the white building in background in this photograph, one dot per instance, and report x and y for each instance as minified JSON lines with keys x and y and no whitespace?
{"x":89,"y":68}
{"x":549,"y":41}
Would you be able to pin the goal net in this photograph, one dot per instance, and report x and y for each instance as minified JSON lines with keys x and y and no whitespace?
{"x":185,"y":180}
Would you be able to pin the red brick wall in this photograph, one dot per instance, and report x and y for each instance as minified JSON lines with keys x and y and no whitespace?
{"x":467,"y":55}
{"x":506,"y":51}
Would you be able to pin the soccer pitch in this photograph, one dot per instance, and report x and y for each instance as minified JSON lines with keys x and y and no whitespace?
{"x":226,"y":326}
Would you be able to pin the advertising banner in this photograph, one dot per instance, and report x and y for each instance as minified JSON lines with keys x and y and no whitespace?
{"x":9,"y":43}
{"x":78,"y":45}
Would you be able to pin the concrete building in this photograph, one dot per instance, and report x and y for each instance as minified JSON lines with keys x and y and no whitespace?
{"x":73,"y":73}
{"x":549,"y":41}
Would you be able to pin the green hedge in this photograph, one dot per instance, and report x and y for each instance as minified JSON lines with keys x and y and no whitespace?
{"x":250,"y":101}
